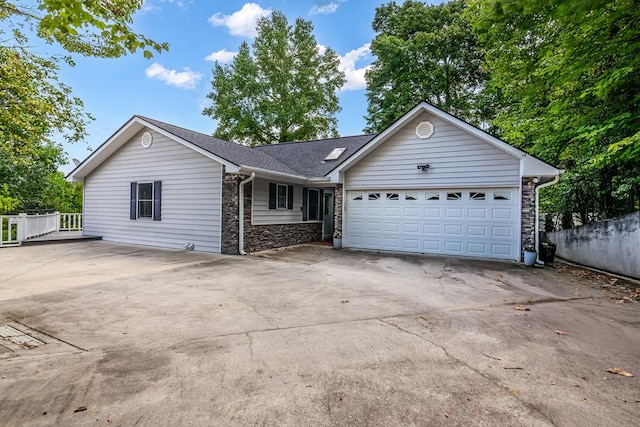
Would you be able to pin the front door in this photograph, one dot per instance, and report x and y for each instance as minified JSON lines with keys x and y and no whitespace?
{"x":327,"y":219}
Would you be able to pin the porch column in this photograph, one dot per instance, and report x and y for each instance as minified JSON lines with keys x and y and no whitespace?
{"x":337,"y":209}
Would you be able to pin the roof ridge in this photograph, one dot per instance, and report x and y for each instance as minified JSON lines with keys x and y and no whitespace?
{"x":275,"y":144}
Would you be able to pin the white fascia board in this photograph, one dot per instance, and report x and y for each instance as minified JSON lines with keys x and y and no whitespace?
{"x":378,"y":140}
{"x":478,"y":133}
{"x":536,"y":167}
{"x":122,"y":136}
{"x":320,"y":180}
{"x":266,"y":173}
{"x":229,"y":166}
{"x":105,"y":150}
{"x":415,"y":112}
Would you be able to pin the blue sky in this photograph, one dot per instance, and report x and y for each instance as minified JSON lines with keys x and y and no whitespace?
{"x":173,"y":86}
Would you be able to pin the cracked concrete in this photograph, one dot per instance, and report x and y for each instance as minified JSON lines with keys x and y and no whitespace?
{"x":309,"y":336}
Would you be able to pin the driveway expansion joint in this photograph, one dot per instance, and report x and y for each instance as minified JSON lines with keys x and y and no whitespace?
{"x":461,"y":362}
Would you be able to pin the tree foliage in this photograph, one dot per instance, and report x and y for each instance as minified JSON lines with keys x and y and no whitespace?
{"x":565,"y":77}
{"x":281,"y":89}
{"x":35,"y":106}
{"x":90,"y":27}
{"x":424,"y":52}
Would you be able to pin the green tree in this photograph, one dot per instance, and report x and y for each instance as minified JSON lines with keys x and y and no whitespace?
{"x":90,"y":27}
{"x":35,"y":106}
{"x":8,"y":204}
{"x":62,"y":195}
{"x":424,"y":52}
{"x":565,"y":75}
{"x":285,"y":90}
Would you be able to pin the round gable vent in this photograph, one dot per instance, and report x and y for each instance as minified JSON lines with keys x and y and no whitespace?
{"x":425,"y":129}
{"x":147,"y":139}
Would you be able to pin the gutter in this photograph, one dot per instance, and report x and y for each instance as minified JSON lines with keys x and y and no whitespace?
{"x":241,"y":214}
{"x":537,"y":227}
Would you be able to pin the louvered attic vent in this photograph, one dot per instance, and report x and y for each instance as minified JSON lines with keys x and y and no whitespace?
{"x":335,"y":154}
{"x":147,"y":139}
{"x":424,"y":130}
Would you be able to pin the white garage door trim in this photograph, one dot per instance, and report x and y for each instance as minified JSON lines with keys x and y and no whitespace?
{"x":482,"y":222}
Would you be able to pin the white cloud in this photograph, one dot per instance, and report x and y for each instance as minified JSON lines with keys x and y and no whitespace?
{"x":321,"y":49}
{"x":222,"y":56}
{"x":325,"y":9}
{"x":185,"y":79}
{"x":241,"y":22}
{"x":355,"y":76}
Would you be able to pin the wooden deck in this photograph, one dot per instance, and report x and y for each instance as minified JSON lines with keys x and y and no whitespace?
{"x":60,"y":237}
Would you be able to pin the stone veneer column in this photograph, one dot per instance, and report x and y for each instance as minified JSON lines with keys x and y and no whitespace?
{"x":230,"y":212}
{"x":528,"y":218}
{"x":337,"y":209}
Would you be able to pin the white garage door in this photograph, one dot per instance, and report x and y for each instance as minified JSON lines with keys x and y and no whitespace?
{"x":476,"y":222}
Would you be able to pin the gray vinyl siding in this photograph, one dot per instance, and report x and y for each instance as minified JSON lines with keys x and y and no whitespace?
{"x":456,"y":159}
{"x":262,"y":215}
{"x":191,"y":196}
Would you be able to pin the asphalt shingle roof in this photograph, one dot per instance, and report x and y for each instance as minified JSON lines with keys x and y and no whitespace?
{"x":230,"y":151}
{"x":308,"y":157}
{"x":305,"y":158}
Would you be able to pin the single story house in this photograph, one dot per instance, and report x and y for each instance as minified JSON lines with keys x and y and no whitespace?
{"x":429,"y":183}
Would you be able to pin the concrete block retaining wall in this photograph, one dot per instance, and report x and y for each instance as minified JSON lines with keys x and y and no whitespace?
{"x":612,"y":245}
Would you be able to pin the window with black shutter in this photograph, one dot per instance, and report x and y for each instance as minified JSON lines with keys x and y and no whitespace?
{"x":145,"y":200}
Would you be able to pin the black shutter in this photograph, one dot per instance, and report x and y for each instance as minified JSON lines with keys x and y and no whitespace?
{"x":157,"y":199}
{"x":290,"y":197}
{"x":133,"y":201}
{"x":321,"y":206}
{"x":305,"y":199}
{"x":272,"y":195}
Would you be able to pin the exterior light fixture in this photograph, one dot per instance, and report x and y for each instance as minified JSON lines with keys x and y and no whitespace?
{"x":423,"y":167}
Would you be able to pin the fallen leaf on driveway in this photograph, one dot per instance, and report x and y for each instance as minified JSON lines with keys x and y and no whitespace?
{"x":521,"y":308}
{"x":620,"y":372}
{"x":80,"y":409}
{"x":345,"y":301}
{"x":559,"y":332}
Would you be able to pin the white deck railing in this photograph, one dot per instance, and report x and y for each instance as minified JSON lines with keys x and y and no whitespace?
{"x":70,"y":222}
{"x":9,"y":230}
{"x":21,"y":227}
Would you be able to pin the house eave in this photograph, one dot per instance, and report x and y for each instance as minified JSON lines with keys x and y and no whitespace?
{"x":411,"y":115}
{"x":122,"y":136}
{"x":266,"y":173}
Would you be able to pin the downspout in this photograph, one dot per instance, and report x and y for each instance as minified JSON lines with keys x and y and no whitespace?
{"x":241,"y":214}
{"x":537,"y":227}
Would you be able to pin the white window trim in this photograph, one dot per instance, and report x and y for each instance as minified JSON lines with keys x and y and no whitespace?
{"x":286,"y":197}
{"x":138,"y":200}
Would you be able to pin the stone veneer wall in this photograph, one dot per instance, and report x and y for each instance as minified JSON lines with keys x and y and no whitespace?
{"x":337,"y":209}
{"x":528,"y":225}
{"x":262,"y":237}
{"x":230,"y":213}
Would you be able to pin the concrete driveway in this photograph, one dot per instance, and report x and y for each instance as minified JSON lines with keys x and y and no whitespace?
{"x":306,"y":336}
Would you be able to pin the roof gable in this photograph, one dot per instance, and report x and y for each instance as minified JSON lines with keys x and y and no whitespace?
{"x":295,"y":160}
{"x":233,"y":156}
{"x":531,"y":166}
